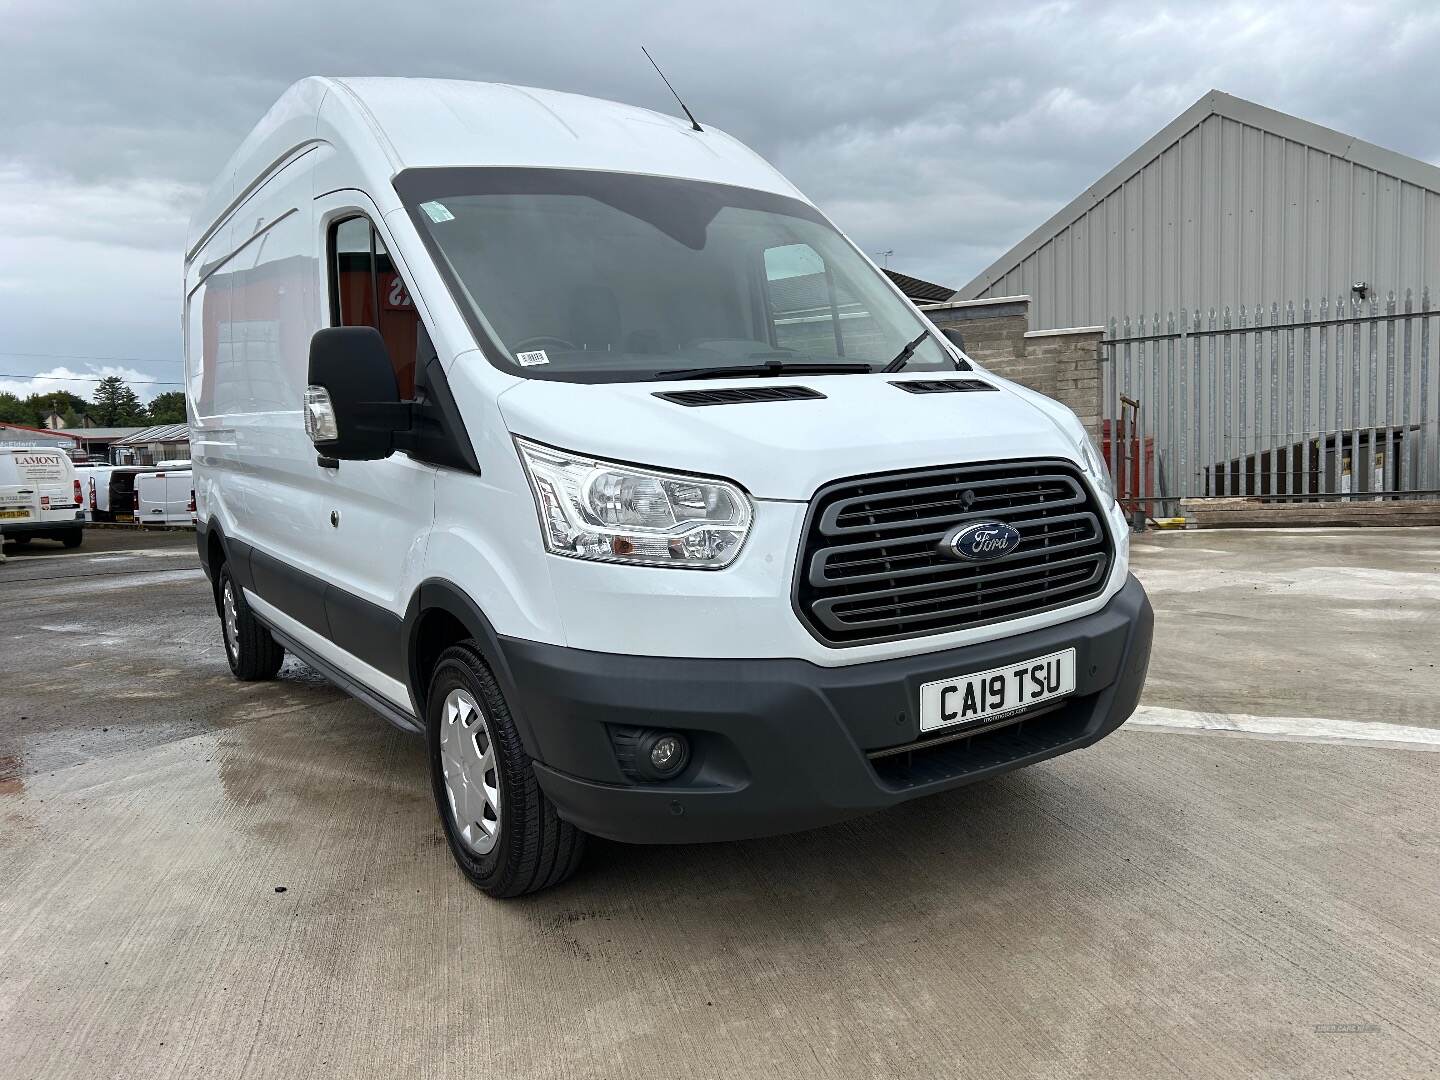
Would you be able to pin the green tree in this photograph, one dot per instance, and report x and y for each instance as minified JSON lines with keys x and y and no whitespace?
{"x":13,"y":410}
{"x":115,"y":404}
{"x":56,"y":401}
{"x":167,"y":408}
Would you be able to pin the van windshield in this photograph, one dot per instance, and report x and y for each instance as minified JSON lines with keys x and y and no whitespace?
{"x":594,"y":276}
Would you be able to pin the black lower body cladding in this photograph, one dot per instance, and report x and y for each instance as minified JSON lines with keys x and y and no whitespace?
{"x":772,"y":745}
{"x":783,"y":745}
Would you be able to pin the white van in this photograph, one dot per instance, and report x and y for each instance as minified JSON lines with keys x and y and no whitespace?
{"x":94,"y":480}
{"x":577,"y":439}
{"x":40,"y":497}
{"x":165,"y":497}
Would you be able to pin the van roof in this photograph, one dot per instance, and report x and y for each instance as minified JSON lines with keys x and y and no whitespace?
{"x":396,"y":123}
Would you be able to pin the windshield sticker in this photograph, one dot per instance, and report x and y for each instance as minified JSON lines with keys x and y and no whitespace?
{"x":436,"y":212}
{"x":530,"y":359}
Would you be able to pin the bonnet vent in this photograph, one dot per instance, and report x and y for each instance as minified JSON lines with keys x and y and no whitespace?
{"x":943,"y":386}
{"x":738,"y":395}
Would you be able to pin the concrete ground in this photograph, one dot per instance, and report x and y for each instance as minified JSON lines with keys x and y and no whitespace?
{"x":1164,"y":904}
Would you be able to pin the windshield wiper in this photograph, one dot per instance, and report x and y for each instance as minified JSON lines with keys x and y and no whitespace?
{"x":770,"y":367}
{"x":903,"y":356}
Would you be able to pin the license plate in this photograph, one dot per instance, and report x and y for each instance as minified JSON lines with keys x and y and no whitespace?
{"x":124,"y":517}
{"x":14,"y":513}
{"x":1001,"y":691}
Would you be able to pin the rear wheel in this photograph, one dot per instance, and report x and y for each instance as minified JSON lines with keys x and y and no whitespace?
{"x":73,"y":538}
{"x":503,"y":831}
{"x":253,"y":654}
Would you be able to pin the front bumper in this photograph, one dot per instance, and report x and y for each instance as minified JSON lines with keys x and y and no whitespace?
{"x":780,"y":745}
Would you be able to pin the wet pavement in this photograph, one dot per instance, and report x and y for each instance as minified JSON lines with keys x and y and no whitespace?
{"x":1160,"y":905}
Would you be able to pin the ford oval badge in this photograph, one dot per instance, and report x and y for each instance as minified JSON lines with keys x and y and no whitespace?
{"x":980,"y":541}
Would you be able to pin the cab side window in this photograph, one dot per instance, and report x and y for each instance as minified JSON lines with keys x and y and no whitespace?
{"x":366,"y":290}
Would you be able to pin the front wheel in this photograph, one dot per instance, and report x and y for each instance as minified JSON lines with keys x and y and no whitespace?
{"x":503,"y":831}
{"x":253,"y":654}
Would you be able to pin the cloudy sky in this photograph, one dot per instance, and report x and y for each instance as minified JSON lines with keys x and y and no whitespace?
{"x":943,"y":132}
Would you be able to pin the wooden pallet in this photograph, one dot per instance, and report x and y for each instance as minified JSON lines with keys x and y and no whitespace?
{"x":1243,"y":513}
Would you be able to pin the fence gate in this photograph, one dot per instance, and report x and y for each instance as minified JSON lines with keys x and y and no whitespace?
{"x":1334,"y":402}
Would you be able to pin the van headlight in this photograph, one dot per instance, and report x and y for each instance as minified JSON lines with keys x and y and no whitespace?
{"x":591,"y":509}
{"x":1094,"y":461}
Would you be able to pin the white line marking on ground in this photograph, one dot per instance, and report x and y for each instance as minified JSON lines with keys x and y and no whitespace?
{"x":100,"y":556}
{"x":1310,"y":729}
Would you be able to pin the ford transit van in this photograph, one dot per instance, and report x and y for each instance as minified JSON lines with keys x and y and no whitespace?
{"x":578,"y":441}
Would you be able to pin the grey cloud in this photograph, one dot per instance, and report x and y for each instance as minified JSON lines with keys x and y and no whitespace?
{"x":942,"y":131}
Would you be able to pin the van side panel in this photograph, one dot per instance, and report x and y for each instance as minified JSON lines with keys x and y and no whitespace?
{"x":258,"y":307}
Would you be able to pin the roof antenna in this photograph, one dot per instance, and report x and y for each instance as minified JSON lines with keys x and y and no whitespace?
{"x":694,"y":124}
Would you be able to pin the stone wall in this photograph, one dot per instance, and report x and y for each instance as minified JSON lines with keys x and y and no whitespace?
{"x":1063,"y":364}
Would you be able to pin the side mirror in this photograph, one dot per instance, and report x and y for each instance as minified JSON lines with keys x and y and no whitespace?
{"x":352,"y":405}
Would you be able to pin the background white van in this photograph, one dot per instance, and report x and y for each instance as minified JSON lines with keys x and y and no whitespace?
{"x":165,"y":497}
{"x":94,"y":480}
{"x":40,"y":496}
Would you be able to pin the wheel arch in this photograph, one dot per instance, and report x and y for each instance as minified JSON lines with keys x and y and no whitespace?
{"x":441,"y":614}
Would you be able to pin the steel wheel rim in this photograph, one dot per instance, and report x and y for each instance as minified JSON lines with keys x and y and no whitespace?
{"x":230,"y":619}
{"x":470,"y":771}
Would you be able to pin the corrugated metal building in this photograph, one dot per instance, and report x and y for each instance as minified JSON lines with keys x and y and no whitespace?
{"x":152,"y":445}
{"x":1231,"y":203}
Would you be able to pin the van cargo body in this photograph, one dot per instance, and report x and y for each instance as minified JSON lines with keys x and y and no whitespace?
{"x":94,"y":488}
{"x":116,"y":499}
{"x":579,"y":441}
{"x":164,"y":497}
{"x":40,"y":497}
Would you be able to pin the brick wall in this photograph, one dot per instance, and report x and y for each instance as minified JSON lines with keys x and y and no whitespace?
{"x":1069,"y":362}
{"x":994,"y":330}
{"x":1063,"y":364}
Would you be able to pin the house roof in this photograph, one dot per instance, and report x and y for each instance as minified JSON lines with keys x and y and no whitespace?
{"x":1215,"y":103}
{"x":920,"y":290}
{"x":19,"y":433}
{"x":164,"y":433}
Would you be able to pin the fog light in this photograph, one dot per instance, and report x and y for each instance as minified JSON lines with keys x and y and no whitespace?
{"x":646,"y":754}
{"x":668,"y":754}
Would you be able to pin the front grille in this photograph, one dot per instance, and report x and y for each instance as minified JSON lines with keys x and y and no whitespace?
{"x":945,"y":759}
{"x":871,"y":567}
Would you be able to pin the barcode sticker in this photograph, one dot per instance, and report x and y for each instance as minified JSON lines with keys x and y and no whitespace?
{"x":530,"y":359}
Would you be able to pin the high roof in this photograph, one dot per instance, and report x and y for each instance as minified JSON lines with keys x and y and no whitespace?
{"x":428,"y":123}
{"x":1327,"y":144}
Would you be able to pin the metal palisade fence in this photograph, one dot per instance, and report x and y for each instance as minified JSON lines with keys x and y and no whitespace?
{"x":1326,"y":402}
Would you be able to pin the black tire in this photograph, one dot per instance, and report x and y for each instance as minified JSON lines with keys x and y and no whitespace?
{"x":73,"y":539}
{"x":533,"y":848}
{"x":21,"y":541}
{"x":253,"y":654}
